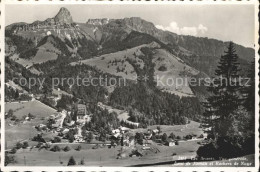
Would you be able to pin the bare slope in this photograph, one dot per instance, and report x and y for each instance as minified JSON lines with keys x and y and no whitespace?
{"x":168,"y":67}
{"x":24,"y":131}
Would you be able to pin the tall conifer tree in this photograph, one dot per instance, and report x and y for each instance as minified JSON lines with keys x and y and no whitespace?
{"x":225,"y":98}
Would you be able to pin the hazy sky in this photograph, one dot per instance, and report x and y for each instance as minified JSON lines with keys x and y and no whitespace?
{"x":223,"y":22}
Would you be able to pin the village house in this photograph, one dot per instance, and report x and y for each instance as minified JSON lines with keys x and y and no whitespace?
{"x":194,"y":137}
{"x":41,"y":127}
{"x":59,"y":118}
{"x":170,"y":142}
{"x":124,"y":129}
{"x":65,"y":131}
{"x":116,"y":135}
{"x":147,"y":143}
{"x":155,"y":131}
{"x":148,"y":134}
{"x":82,"y":111}
{"x":115,"y":131}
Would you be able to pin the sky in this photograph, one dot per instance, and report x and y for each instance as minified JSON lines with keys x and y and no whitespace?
{"x":224,"y":22}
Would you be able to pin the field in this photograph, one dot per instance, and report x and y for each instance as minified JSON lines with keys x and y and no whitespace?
{"x":108,"y":156}
{"x":173,"y":78}
{"x":168,"y":156}
{"x":104,"y":156}
{"x":178,"y":130}
{"x":102,"y":62}
{"x":45,"y":53}
{"x":26,"y":130}
{"x":158,"y":155}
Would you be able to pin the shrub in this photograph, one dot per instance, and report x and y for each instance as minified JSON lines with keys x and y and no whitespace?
{"x":9,"y":159}
{"x":38,"y":138}
{"x":178,"y":137}
{"x":24,"y":116}
{"x":66,"y":149}
{"x":56,"y":140}
{"x":162,"y":68}
{"x":188,"y":137}
{"x":13,"y":151}
{"x":25,"y":145}
{"x":78,"y":148}
{"x":31,"y":116}
{"x":19,"y":145}
{"x":164,"y":137}
{"x":211,"y":136}
{"x":177,"y":142}
{"x":39,"y":144}
{"x":9,"y":114}
{"x":13,"y":118}
{"x":82,"y":162}
{"x":56,"y":148}
{"x":172,"y":136}
{"x":70,"y":136}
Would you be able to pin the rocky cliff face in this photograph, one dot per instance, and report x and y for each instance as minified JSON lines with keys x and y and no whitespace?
{"x":98,"y":21}
{"x":63,"y":17}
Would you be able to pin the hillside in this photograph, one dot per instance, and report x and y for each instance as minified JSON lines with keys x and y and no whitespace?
{"x":129,"y":48}
{"x":167,"y":66}
{"x":103,"y":36}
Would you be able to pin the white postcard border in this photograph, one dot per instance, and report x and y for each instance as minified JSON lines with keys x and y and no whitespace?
{"x":126,"y":169}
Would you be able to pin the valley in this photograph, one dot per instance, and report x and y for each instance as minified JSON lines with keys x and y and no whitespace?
{"x":155,"y":118}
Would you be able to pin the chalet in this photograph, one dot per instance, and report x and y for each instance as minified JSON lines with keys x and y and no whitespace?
{"x":124,"y":129}
{"x":170,"y":142}
{"x":65,"y":131}
{"x":59,"y":118}
{"x":38,"y":96}
{"x":155,"y":131}
{"x":82,"y":111}
{"x":117,"y":135}
{"x":40,"y":126}
{"x":147,"y":143}
{"x":115,"y":131}
{"x":148,"y":135}
{"x":194,"y":137}
{"x":146,"y":148}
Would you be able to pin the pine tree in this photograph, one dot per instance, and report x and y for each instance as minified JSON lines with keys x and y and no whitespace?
{"x":71,"y":161}
{"x":225,"y":99}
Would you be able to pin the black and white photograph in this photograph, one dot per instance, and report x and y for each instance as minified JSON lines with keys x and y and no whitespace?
{"x":130,"y":85}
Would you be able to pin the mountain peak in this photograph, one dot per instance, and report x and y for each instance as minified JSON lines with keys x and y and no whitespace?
{"x":63,"y":16}
{"x":101,"y":21}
